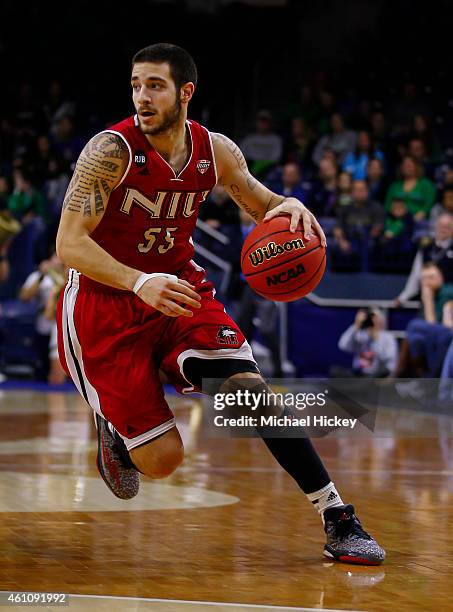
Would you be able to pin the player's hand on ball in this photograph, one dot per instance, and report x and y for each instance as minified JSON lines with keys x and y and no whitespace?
{"x":168,"y":296}
{"x":298,"y":212}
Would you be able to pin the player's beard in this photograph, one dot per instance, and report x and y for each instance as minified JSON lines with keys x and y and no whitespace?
{"x":170,"y":118}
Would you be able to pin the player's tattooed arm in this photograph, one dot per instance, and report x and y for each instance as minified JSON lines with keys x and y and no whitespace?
{"x":99,"y":169}
{"x":254,"y":197}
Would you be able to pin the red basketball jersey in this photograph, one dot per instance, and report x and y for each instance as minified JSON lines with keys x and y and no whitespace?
{"x":150,"y":217}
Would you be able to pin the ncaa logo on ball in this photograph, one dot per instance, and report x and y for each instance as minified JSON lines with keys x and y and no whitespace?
{"x":285,"y":276}
{"x":266,"y":252}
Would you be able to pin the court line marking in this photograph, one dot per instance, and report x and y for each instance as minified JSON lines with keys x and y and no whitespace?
{"x":207,"y":603}
{"x":88,"y":471}
{"x":338,"y":470}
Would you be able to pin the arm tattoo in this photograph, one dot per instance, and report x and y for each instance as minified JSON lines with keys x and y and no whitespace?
{"x":240,"y":200}
{"x":87,"y":207}
{"x":236,"y":152}
{"x":105,"y":187}
{"x":99,"y":204}
{"x":98,"y":171}
{"x":110,"y":146}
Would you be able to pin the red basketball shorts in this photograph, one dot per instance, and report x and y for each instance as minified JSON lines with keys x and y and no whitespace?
{"x":113,"y":345}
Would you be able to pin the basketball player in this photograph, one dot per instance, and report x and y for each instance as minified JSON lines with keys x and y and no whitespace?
{"x":137,"y":303}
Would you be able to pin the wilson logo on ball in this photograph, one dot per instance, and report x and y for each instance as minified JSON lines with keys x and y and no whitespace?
{"x":266,"y":252}
{"x":285,"y":276}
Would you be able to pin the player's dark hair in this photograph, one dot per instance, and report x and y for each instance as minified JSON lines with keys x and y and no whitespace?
{"x":182,"y":67}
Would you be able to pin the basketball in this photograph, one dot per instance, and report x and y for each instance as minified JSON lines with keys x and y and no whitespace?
{"x":280,"y":265}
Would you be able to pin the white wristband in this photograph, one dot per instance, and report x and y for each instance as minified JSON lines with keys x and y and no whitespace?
{"x":143,"y":278}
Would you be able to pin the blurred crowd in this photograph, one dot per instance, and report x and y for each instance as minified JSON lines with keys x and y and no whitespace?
{"x":378,"y":176}
{"x":379,"y":179}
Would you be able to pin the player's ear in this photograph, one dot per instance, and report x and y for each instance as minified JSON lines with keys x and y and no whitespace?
{"x":187,"y":92}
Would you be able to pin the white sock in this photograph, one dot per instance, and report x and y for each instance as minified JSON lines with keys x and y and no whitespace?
{"x":327,"y":497}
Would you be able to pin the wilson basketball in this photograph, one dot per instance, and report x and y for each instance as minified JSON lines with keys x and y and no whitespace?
{"x":280,"y":265}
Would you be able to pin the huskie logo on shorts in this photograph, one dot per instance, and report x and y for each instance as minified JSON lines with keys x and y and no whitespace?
{"x":203,"y":165}
{"x":227,"y":335}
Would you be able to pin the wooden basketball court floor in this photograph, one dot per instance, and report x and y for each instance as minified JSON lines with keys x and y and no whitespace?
{"x":229,"y":530}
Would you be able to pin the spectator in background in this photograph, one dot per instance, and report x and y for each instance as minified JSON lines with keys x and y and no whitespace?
{"x":42,"y":156}
{"x":300,"y":142}
{"x":344,"y":197}
{"x":9,"y":227}
{"x":323,"y":197}
{"x":428,"y":338}
{"x":399,"y":223}
{"x":416,"y":190}
{"x":325,"y":108}
{"x":422,"y":130}
{"x":26,"y":203}
{"x":444,"y":207}
{"x":358,"y":221}
{"x":435,"y":292}
{"x":340,"y":140}
{"x":54,"y":190}
{"x":38,"y":286}
{"x":292,"y":182}
{"x":393,"y":251}
{"x":438,"y":250}
{"x":262,"y":149}
{"x":56,"y":105}
{"x":5,"y":191}
{"x":55,"y":186}
{"x":363,"y":215}
{"x":66,"y":143}
{"x":356,"y":162}
{"x":377,"y":185}
{"x":374,"y":349}
{"x":417,"y":150}
{"x":379,"y":131}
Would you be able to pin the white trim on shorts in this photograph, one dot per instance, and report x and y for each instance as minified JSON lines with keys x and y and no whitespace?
{"x":243,"y":352}
{"x":74,"y":359}
{"x":72,"y":348}
{"x":149,"y":435}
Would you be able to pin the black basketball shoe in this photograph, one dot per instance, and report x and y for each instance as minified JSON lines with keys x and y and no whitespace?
{"x":123,"y":481}
{"x":347,"y":541}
